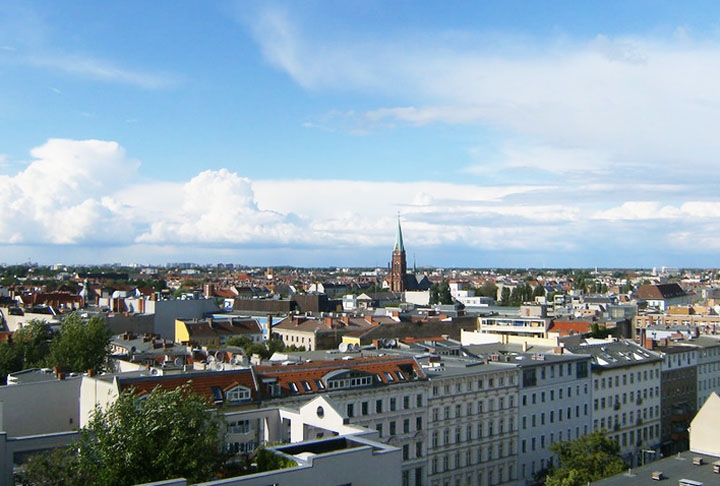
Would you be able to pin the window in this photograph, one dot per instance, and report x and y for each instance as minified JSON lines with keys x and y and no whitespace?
{"x":419,"y":449}
{"x":406,"y":425}
{"x":364,"y":408}
{"x":406,"y":402}
{"x":238,"y":394}
{"x":393,"y":430}
{"x":406,"y":452}
{"x":418,"y":423}
{"x":393,"y":404}
{"x":378,"y":406}
{"x":350,"y":410}
{"x":435,"y":414}
{"x":379,"y":428}
{"x":419,"y":400}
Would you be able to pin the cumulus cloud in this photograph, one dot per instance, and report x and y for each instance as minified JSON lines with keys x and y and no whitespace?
{"x":59,"y":197}
{"x":90,"y":194}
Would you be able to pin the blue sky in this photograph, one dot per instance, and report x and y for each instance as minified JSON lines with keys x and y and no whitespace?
{"x":504,"y":134}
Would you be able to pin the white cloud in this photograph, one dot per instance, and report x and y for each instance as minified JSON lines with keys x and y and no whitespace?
{"x":100,"y":70}
{"x":58,"y":197}
{"x":90,"y":194}
{"x":623,"y":105}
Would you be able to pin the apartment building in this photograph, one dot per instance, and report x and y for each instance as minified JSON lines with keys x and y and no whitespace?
{"x":678,"y":388}
{"x":555,"y":405}
{"x":626,"y":394}
{"x":473,"y":423}
{"x":383,"y":393}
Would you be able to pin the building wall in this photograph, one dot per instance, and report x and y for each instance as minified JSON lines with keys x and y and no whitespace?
{"x":166,"y":311}
{"x":472,"y":437}
{"x":43,"y":407}
{"x":555,"y":405}
{"x":626,"y":403}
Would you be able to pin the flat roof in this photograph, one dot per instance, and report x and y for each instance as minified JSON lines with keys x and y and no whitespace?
{"x":674,"y":468}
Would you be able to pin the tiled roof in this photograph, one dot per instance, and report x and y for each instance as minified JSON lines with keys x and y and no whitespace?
{"x":307,"y":378}
{"x":659,"y":292}
{"x":202,"y":383}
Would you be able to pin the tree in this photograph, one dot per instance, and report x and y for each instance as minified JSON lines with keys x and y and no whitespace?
{"x":165,"y":434}
{"x":586,"y":459}
{"x":434,"y":294}
{"x":81,"y":346}
{"x":505,"y":296}
{"x":32,"y":343}
{"x":444,"y":293}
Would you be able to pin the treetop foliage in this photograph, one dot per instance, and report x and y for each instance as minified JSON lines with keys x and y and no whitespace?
{"x":586,"y":459}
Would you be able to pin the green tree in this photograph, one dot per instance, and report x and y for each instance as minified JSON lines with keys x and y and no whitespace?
{"x":81,"y":346}
{"x":165,"y":434}
{"x":444,"y":293}
{"x":505,"y":295}
{"x":434,"y":294}
{"x":586,"y":459}
{"x":32,"y":343}
{"x":539,"y":291}
{"x":488,"y":289}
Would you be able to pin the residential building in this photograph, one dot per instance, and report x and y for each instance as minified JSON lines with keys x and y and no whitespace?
{"x":213,"y":332}
{"x":473,"y":428}
{"x":626,"y":394}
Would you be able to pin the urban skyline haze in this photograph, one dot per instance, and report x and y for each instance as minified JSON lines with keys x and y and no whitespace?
{"x":503,"y":134}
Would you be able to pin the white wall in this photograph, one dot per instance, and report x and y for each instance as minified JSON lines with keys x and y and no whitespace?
{"x":43,"y":407}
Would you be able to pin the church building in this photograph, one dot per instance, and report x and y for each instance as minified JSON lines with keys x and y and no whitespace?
{"x":400,"y":279}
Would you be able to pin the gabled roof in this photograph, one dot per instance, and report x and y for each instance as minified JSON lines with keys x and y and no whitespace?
{"x":659,"y":292}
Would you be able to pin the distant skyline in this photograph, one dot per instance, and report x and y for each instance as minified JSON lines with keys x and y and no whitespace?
{"x":504,"y":134}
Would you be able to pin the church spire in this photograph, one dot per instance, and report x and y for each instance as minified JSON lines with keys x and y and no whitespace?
{"x":399,"y":246}
{"x":398,"y":272}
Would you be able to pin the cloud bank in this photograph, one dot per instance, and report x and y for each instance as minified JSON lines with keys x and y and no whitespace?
{"x":79,"y":193}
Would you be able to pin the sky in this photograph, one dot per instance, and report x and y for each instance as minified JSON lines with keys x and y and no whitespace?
{"x":501,"y":133}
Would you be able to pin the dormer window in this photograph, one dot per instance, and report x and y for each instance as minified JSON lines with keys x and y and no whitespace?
{"x":347,"y":379}
{"x":238,"y":394}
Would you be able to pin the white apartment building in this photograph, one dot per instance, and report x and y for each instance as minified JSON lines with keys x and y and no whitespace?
{"x":387,"y":394}
{"x":555,"y":406}
{"x":626,"y":395}
{"x":473,"y":423}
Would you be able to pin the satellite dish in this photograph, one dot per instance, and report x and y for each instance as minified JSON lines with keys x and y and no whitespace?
{"x":392,"y":343}
{"x":356,"y":347}
{"x":343,"y":347}
{"x":178,"y":362}
{"x":210,"y":359}
{"x":217,"y":366}
{"x":220,"y":356}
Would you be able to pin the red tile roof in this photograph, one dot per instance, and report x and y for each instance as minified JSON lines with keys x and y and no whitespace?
{"x":305,"y":378}
{"x":201,"y":383}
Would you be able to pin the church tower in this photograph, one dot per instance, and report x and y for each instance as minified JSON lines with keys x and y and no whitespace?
{"x":398,"y":269}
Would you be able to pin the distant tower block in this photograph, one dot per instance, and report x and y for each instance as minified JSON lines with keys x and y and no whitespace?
{"x":399,"y":263}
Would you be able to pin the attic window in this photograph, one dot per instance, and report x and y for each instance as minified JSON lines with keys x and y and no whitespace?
{"x":389,"y":376}
{"x":400,"y":375}
{"x":293,"y":387}
{"x":238,"y":394}
{"x":320,"y":385}
{"x":306,"y":385}
{"x":217,"y":394}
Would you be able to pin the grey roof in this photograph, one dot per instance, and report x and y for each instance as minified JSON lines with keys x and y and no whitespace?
{"x":615,"y":354}
{"x":674,"y":468}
